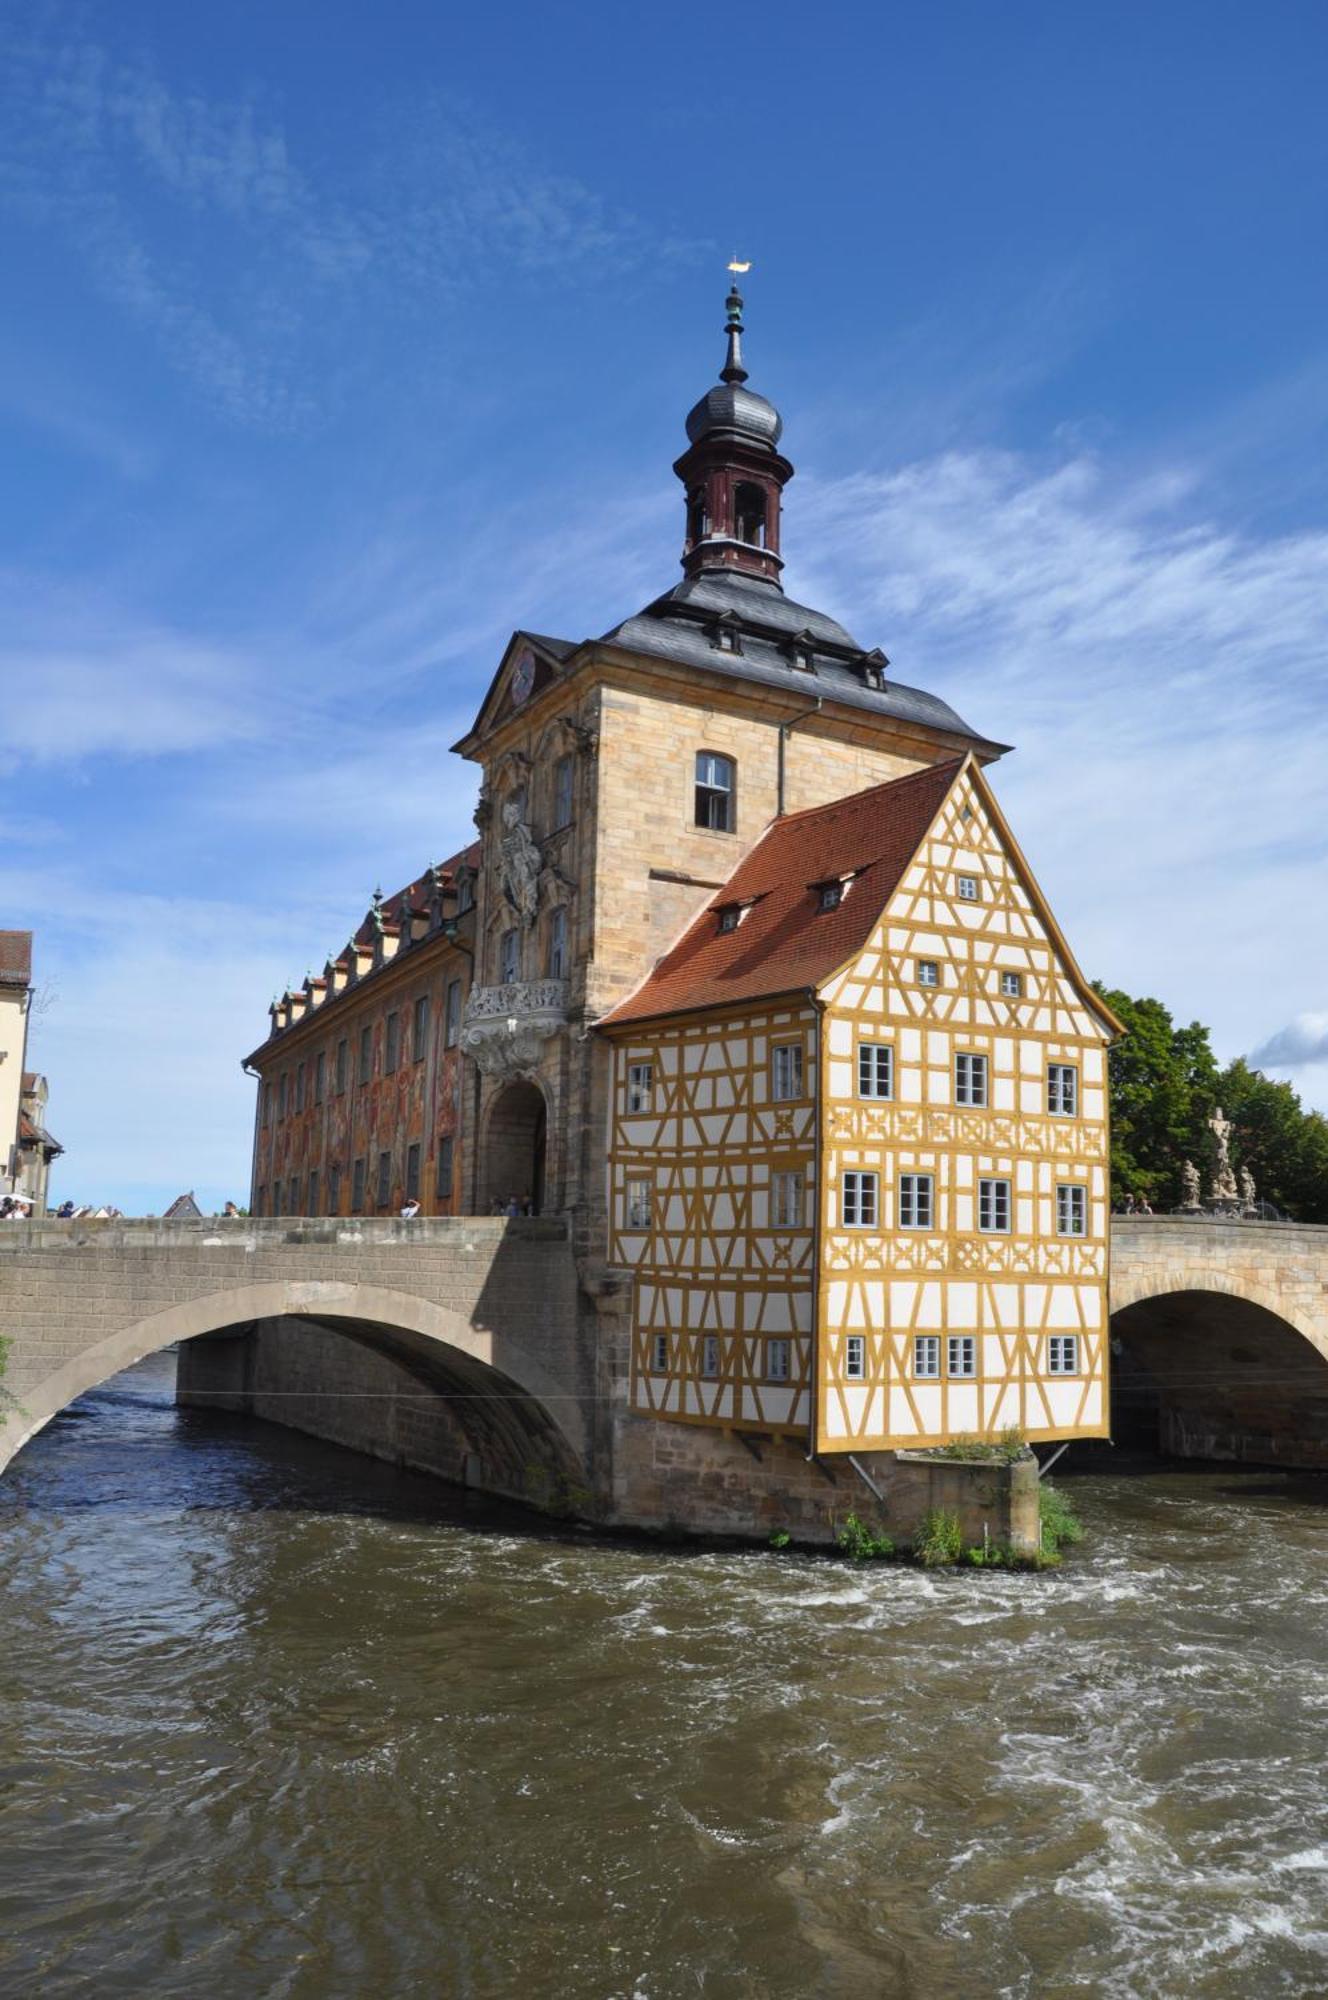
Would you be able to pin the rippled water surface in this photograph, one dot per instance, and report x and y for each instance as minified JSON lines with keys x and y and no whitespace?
{"x":278,"y":1721}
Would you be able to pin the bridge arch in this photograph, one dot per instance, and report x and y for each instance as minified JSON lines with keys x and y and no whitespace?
{"x":1213,"y":1364}
{"x":502,"y":1397}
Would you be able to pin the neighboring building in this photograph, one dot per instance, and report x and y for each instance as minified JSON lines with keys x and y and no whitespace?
{"x":763,"y":997}
{"x":36,"y":1147}
{"x":15,"y":1002}
{"x":360,"y":1079}
{"x":183,"y":1209}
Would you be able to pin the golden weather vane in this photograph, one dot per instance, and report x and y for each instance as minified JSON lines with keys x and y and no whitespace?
{"x":735,"y":264}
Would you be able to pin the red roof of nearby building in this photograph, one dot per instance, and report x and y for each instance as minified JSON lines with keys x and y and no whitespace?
{"x":15,"y":958}
{"x":417,"y":893}
{"x":786,"y":942}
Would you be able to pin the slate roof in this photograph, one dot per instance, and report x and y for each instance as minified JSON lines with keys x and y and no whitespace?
{"x":786,"y":943}
{"x":15,"y":958}
{"x":682,"y":625}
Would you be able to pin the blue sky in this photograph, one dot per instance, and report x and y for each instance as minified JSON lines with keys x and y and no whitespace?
{"x":338,"y":341}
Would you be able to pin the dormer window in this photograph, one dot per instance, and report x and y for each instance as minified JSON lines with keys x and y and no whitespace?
{"x":874,"y":665}
{"x":726,"y":634}
{"x":829,"y":895}
{"x":730,"y":916}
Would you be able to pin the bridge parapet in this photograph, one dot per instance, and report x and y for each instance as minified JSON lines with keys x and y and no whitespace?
{"x":267,"y":1232}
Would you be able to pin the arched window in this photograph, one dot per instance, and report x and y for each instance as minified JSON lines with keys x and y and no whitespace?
{"x":698,"y":521}
{"x":749,"y":513}
{"x":715,"y":783}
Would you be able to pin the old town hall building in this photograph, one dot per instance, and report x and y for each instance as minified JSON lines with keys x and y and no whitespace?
{"x":746,"y":977}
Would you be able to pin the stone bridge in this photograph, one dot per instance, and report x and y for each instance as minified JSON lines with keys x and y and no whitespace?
{"x":457,"y":1345}
{"x":464,"y":1345}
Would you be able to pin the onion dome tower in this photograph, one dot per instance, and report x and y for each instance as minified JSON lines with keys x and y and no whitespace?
{"x":733,"y":472}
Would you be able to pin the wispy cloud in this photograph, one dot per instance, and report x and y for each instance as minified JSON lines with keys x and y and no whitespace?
{"x":123,"y":162}
{"x":1162,"y":673}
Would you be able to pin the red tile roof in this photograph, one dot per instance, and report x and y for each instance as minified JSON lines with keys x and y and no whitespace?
{"x":786,"y":943}
{"x":417,"y":893}
{"x":15,"y":958}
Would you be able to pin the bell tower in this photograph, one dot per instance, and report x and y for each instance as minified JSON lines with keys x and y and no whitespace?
{"x":732,"y":471}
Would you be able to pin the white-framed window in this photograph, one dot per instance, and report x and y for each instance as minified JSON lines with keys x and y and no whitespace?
{"x":710,"y":1357}
{"x":927,"y":1356}
{"x":562,"y":792}
{"x":640,"y":1086}
{"x":961,"y":1355}
{"x":715,"y":783}
{"x":778,"y":1360}
{"x":876,"y":1069}
{"x":1062,"y":1090}
{"x":638,"y":1204}
{"x":861,"y":1200}
{"x":855,"y":1358}
{"x":659,"y":1354}
{"x":1063,"y":1354}
{"x":968,"y":888}
{"x":558,"y":942}
{"x":787,"y":1203}
{"x":970,"y":1078}
{"x":1012,"y":985}
{"x":509,"y":957}
{"x":916,"y":1201}
{"x":830,"y":895}
{"x":994,"y":1206}
{"x":786,"y":1070}
{"x":929,"y":972}
{"x":1071,"y":1211}
{"x":730,"y":916}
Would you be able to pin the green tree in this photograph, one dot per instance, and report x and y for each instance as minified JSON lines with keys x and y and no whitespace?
{"x":1164,"y":1086}
{"x":1163,"y":1081}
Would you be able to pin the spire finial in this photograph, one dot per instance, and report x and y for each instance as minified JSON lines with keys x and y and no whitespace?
{"x":733,"y":370}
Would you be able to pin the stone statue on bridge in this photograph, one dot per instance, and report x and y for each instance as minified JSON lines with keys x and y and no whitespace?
{"x":1189,"y":1186}
{"x":1249,"y":1194}
{"x":1225,"y":1193}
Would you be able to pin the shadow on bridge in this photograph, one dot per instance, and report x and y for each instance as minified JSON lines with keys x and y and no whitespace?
{"x":451,"y":1349}
{"x":1211,"y":1374}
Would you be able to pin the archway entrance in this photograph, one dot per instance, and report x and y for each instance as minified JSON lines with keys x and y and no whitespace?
{"x":1211,"y":1375}
{"x":515,"y":1154}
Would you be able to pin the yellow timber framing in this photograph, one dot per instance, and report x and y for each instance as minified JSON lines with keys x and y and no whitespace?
{"x":1011,"y":1290}
{"x":713,"y":1263}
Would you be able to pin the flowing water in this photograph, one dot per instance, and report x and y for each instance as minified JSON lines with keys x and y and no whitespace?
{"x":279,"y":1721}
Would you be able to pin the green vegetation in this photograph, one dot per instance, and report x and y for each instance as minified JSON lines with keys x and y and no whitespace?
{"x":860,"y":1543}
{"x":1008,"y":1447}
{"x":780,"y":1538}
{"x":940,"y":1539}
{"x":1060,"y":1523}
{"x":1165,"y":1086}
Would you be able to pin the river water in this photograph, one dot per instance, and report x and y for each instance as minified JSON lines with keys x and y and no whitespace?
{"x":279,"y":1721}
